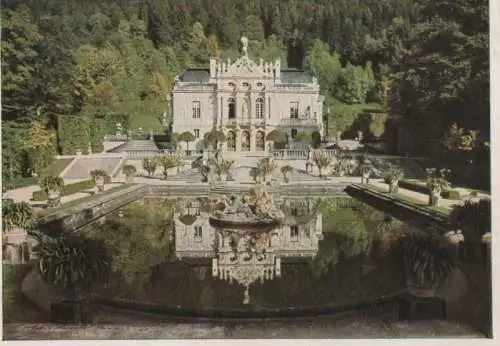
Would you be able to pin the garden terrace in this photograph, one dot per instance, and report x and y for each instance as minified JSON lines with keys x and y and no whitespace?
{"x":402,"y":207}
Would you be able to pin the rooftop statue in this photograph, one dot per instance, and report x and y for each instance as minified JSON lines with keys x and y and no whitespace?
{"x":257,"y":209}
{"x":244,"y":46}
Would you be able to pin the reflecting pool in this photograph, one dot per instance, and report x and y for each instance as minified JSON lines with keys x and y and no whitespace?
{"x":328,"y":251}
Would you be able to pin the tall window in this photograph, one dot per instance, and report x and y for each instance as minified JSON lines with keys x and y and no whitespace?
{"x":294,"y":233}
{"x":259,"y":108}
{"x":294,"y":110}
{"x":294,"y":133}
{"x":198,"y":233}
{"x":196,"y":109}
{"x":231,"y":108}
{"x":196,"y":133}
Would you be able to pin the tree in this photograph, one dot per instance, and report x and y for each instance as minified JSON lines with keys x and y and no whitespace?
{"x":99,"y":176}
{"x":321,"y":160}
{"x":39,"y":143}
{"x":20,"y":36}
{"x":72,"y":261}
{"x":303,"y":137}
{"x":186,"y":137}
{"x":149,"y":166}
{"x":285,"y":170}
{"x":213,"y":138}
{"x":266,"y":167}
{"x":168,"y":162}
{"x":129,"y":171}
{"x":324,"y":65}
{"x":277,"y":136}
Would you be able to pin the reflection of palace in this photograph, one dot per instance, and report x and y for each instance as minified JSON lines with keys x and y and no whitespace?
{"x":246,"y":257}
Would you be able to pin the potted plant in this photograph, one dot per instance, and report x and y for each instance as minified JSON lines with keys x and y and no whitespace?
{"x":365,"y":169}
{"x":223,"y":168}
{"x":474,"y":219}
{"x":130,"y":172}
{"x":266,"y":167}
{"x":321,"y":160}
{"x":427,"y":264}
{"x":436,"y":183}
{"x":204,"y":170}
{"x":72,"y":262}
{"x":285,"y":170}
{"x":149,"y":166}
{"x":99,"y":176}
{"x":167,"y":162}
{"x":187,"y":137}
{"x":392,"y":177}
{"x":52,"y":186}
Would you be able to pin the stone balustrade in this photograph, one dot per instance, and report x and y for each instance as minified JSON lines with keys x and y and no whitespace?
{"x":141,"y":154}
{"x":300,"y":154}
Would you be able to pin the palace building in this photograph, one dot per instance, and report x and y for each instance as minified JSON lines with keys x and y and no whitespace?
{"x":246,"y":100}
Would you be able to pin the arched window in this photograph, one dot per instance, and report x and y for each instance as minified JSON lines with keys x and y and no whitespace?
{"x":231,"y":109}
{"x":259,"y":108}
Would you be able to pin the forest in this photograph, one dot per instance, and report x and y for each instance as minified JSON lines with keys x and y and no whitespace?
{"x":412,"y":73}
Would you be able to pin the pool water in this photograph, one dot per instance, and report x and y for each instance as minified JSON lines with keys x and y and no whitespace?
{"x":331,"y":251}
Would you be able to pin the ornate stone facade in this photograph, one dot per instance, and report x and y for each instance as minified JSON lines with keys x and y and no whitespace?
{"x":246,"y":100}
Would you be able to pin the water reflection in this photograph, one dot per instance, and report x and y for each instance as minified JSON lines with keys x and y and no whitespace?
{"x":247,"y":256}
{"x":165,"y":251}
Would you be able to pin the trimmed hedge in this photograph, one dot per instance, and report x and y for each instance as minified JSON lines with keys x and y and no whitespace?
{"x":421,"y":188}
{"x":69,"y":189}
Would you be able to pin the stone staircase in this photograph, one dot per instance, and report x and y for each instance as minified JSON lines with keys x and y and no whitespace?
{"x":81,"y":167}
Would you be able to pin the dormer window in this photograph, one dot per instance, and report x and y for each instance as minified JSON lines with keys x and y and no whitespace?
{"x":245,"y":85}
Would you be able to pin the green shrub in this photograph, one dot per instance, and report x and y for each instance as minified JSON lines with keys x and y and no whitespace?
{"x":451,"y":194}
{"x":69,"y":189}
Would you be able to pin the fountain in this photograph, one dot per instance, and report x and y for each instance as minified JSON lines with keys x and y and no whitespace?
{"x":256,"y":209}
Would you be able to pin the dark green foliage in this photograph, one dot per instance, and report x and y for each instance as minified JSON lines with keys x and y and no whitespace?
{"x":68,"y":189}
{"x":473,"y":217}
{"x":451,"y":194}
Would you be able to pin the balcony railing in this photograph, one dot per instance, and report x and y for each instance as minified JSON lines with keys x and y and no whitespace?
{"x":141,"y":154}
{"x":300,"y":122}
{"x":245,"y":121}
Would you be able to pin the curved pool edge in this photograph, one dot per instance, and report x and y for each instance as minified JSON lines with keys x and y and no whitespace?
{"x":278,"y":313}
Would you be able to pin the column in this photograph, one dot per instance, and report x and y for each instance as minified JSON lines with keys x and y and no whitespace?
{"x":252,"y":109}
{"x":238,"y":138}
{"x":252,"y":138}
{"x":268,"y":109}
{"x":222,"y":112}
{"x":239,"y":104}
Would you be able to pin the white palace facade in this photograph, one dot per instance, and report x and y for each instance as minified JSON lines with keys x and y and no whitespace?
{"x":246,"y":100}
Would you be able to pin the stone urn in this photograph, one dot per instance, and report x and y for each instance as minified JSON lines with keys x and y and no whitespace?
{"x":434,"y":197}
{"x":54,"y":197}
{"x":393,"y":186}
{"x":422,"y":290}
{"x":99,"y":183}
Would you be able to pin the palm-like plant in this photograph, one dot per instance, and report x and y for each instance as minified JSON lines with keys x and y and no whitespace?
{"x":16,"y":215}
{"x":392,"y":177}
{"x":427,"y":263}
{"x":52,"y":186}
{"x":285,"y":170}
{"x":437,"y":182}
{"x":266,"y":167}
{"x":213,"y":138}
{"x":365,"y":169}
{"x":167,"y":162}
{"x":129,"y":171}
{"x":99,"y":176}
{"x":474,"y":218}
{"x":223,"y":168}
{"x":321,"y":160}
{"x":149,"y":166}
{"x":204,"y":170}
{"x":72,"y":261}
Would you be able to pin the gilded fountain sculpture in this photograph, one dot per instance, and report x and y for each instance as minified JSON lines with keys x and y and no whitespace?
{"x":255,"y":209}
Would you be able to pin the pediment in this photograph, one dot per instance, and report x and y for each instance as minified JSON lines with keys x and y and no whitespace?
{"x":246,"y":67}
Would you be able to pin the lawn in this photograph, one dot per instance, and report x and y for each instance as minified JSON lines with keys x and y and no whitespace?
{"x":16,"y":307}
{"x":56,"y":167}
